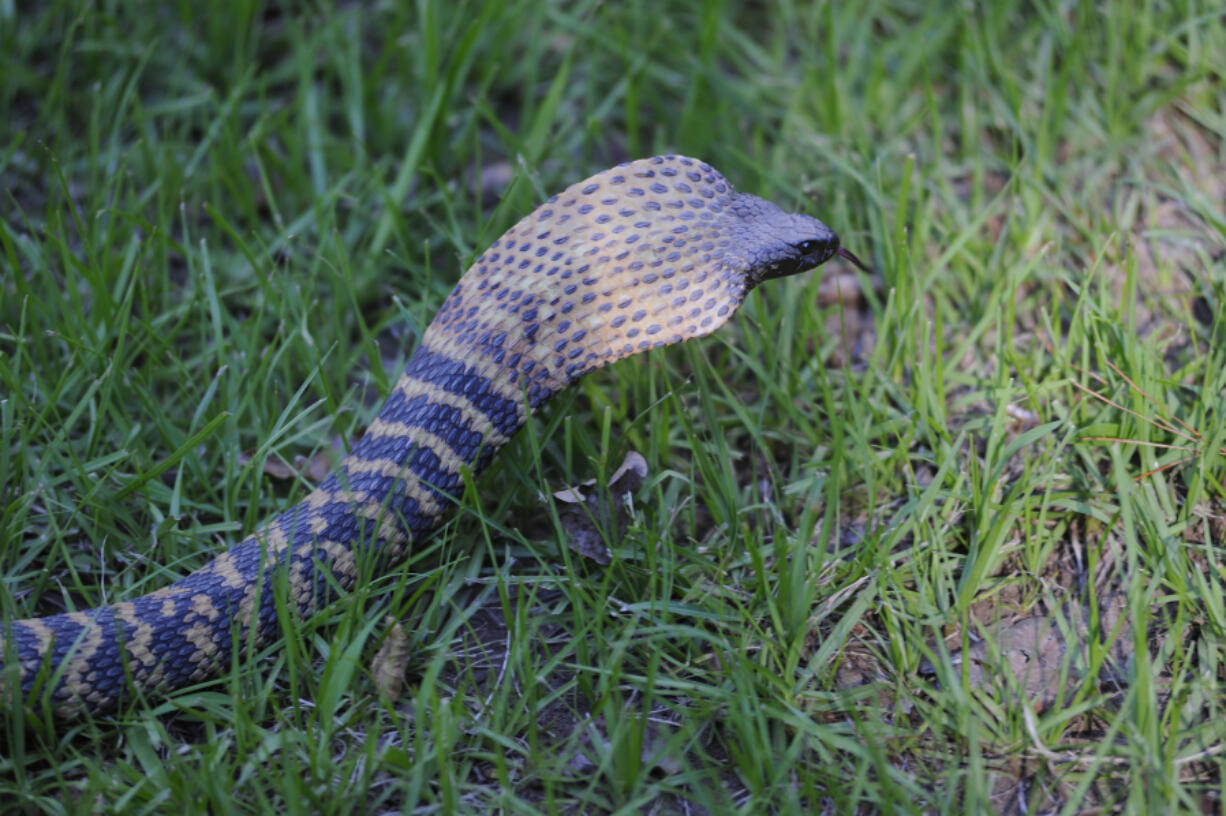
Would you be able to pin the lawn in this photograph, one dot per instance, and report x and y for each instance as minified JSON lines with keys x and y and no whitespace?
{"x":942,"y":537}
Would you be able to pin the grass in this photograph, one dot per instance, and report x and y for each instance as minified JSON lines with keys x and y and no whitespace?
{"x":883,"y":558}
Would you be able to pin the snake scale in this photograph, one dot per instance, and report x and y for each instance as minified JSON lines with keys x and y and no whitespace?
{"x":643,"y":255}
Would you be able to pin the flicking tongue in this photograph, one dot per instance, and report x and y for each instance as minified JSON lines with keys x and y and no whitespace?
{"x":846,"y":254}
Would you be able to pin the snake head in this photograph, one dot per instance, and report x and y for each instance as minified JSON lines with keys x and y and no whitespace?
{"x":774,"y":244}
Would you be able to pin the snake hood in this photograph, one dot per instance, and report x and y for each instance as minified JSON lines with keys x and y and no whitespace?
{"x":646,"y":254}
{"x":643,"y":255}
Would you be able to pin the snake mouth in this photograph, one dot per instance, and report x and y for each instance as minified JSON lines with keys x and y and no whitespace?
{"x":818,"y":253}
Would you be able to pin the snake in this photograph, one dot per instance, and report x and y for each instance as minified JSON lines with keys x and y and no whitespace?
{"x":647,"y":254}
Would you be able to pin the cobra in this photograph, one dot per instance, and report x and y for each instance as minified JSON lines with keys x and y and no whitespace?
{"x":643,"y":255}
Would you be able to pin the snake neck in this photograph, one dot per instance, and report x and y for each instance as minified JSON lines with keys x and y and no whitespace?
{"x":444,"y":417}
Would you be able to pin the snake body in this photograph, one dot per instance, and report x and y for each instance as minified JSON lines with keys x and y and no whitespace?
{"x":643,"y":255}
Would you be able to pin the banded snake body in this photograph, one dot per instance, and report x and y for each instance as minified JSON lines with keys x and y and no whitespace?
{"x":643,"y":255}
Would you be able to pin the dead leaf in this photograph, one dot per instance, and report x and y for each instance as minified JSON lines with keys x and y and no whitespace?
{"x":274,"y":466}
{"x":588,"y":520}
{"x":1034,"y":649}
{"x":653,"y":753}
{"x":388,"y":667}
{"x":313,"y":470}
{"x":1030,"y":650}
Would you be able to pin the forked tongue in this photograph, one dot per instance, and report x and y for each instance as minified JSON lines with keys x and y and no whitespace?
{"x":849,"y":256}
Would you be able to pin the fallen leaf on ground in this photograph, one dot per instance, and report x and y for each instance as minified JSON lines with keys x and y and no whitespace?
{"x":588,"y":520}
{"x":389,"y":664}
{"x":314,"y":469}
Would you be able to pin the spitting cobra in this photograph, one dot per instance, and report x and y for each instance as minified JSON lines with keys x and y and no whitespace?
{"x":643,"y":255}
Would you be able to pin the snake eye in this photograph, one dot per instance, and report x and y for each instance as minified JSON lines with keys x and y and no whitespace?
{"x":812,"y":247}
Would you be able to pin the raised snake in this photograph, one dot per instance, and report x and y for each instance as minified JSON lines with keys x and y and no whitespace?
{"x":643,"y":255}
